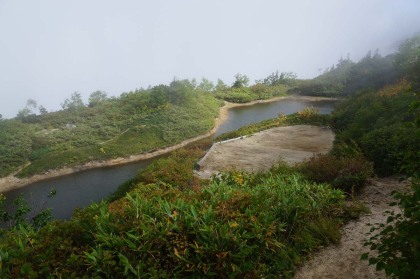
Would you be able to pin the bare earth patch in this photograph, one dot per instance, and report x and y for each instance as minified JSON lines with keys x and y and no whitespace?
{"x":343,"y":260}
{"x":264,"y":149}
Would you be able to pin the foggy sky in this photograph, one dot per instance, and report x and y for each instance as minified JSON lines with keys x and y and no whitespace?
{"x":52,"y":48}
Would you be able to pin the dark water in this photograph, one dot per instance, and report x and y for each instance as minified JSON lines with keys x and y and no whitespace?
{"x":81,"y":189}
{"x":241,"y":116}
{"x":76,"y":190}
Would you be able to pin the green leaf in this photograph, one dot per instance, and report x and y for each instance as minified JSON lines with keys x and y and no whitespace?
{"x":373,"y":261}
{"x":127,"y":264}
{"x":364,"y":256}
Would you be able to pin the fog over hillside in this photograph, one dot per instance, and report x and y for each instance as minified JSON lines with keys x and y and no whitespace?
{"x":52,"y":48}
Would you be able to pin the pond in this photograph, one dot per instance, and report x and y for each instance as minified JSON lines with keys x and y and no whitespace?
{"x":245,"y":115}
{"x":80,"y":189}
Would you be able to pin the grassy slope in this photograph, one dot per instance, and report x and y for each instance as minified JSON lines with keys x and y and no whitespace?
{"x":129,"y":125}
{"x":134,"y":123}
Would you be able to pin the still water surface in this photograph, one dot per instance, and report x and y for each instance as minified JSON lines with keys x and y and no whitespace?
{"x":81,"y":189}
{"x":245,"y":115}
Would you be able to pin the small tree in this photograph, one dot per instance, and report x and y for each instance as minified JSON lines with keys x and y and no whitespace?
{"x":75,"y":103}
{"x":28,"y":110}
{"x":220,"y":86}
{"x":23,"y":113}
{"x":96,"y":98}
{"x":276,"y":78}
{"x":42,"y":110}
{"x":240,"y":81}
{"x":31,"y":104}
{"x":407,"y":60}
{"x":206,"y":85}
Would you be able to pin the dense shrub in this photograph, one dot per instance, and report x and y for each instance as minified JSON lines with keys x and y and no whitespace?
{"x":15,"y":145}
{"x":247,"y":94}
{"x":346,"y":173}
{"x":347,"y":77}
{"x":376,"y":122}
{"x":386,"y":147}
{"x":396,"y":244}
{"x":175,"y":169}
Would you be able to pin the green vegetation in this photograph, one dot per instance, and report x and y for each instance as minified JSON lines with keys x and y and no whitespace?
{"x":167,"y":223}
{"x":21,"y":214}
{"x":385,"y":124}
{"x":397,"y":243}
{"x":345,"y":168}
{"x":237,"y":225}
{"x":349,"y":174}
{"x":137,"y":122}
{"x":252,"y":93}
{"x":377,"y":122}
{"x":309,"y":116}
{"x":273,"y":86}
{"x":348,"y":77}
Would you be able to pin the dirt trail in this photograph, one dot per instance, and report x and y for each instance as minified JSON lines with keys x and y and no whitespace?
{"x":343,"y":260}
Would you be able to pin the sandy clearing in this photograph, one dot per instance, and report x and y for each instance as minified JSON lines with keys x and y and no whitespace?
{"x":343,"y":260}
{"x":264,"y":149}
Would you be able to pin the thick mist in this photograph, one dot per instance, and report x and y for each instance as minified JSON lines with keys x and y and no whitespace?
{"x":50,"y":49}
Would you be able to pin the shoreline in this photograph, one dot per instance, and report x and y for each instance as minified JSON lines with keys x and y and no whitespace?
{"x":11,"y":182}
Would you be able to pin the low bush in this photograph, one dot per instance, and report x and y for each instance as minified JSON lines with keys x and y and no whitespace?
{"x":377,"y":123}
{"x":345,"y":173}
{"x":386,"y":147}
{"x":175,"y":169}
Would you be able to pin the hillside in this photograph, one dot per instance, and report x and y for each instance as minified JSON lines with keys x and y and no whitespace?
{"x":135,"y":123}
{"x":167,"y":223}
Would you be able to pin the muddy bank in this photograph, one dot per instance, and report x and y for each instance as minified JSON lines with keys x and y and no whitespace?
{"x":12,"y":182}
{"x":260,"y":151}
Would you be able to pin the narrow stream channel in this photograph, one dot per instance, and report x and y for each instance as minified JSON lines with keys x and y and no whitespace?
{"x":80,"y":189}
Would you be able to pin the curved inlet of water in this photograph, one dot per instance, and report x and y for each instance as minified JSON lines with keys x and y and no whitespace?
{"x":80,"y":189}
